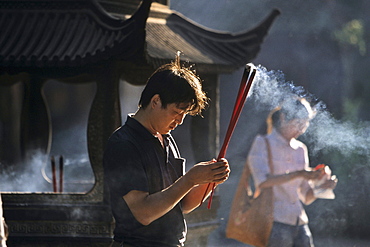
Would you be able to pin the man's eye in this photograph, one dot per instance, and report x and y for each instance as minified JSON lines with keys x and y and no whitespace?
{"x":182,"y":112}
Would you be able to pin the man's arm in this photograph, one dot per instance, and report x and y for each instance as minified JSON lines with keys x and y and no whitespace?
{"x":147,"y":208}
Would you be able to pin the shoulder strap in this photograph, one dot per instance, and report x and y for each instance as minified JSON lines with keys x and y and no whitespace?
{"x":245,"y":178}
{"x":269,"y":155}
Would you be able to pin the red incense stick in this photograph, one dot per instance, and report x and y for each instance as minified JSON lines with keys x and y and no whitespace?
{"x":244,"y":89}
{"x":53,"y":174}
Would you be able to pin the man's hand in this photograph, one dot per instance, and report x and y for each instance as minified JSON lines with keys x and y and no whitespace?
{"x":209,"y":172}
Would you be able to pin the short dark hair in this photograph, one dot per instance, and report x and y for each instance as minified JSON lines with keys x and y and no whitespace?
{"x":175,"y":84}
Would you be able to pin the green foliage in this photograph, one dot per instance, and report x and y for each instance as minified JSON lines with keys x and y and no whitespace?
{"x":352,"y":34}
{"x":351,"y":108}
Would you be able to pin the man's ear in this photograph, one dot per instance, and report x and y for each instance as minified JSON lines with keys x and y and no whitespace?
{"x":156,"y":101}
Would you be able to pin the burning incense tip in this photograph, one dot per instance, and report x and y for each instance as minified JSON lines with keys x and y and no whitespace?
{"x":249,"y":67}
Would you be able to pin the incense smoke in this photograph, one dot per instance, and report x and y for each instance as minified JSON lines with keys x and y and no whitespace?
{"x":35,"y":174}
{"x":325,"y":132}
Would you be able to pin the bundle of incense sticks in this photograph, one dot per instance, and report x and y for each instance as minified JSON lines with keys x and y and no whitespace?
{"x":54,"y":176}
{"x":245,"y":86}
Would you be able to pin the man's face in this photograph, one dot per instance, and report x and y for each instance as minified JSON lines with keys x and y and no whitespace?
{"x":167,"y":119}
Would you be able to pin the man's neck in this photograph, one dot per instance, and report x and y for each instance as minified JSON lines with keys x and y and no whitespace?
{"x":142,"y":117}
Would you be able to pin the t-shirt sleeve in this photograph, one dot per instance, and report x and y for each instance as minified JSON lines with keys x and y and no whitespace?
{"x":124,"y":168}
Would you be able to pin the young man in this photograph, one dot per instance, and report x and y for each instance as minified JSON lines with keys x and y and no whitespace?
{"x":149,"y":188}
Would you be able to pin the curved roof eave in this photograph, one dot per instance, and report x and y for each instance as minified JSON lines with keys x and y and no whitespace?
{"x":205,"y":46}
{"x":66,"y":33}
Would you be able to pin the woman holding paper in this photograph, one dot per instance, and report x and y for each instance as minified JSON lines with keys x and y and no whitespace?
{"x":293,"y":181}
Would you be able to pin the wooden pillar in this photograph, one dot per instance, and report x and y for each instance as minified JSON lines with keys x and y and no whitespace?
{"x":205,"y":131}
{"x":104,"y":118}
{"x":35,"y":119}
{"x":11,"y":93}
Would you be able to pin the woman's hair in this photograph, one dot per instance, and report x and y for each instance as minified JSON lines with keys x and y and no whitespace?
{"x":296,"y":108}
{"x":175,"y":84}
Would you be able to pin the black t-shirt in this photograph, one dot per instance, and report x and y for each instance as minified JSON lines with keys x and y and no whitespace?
{"x":135,"y":160}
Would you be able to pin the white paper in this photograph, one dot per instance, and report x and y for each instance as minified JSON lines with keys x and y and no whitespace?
{"x":323,"y":193}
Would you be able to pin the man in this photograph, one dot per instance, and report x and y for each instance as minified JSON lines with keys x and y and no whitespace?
{"x":149,"y":188}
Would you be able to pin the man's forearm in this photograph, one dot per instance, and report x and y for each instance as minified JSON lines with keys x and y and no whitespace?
{"x":193,"y":199}
{"x":147,"y":208}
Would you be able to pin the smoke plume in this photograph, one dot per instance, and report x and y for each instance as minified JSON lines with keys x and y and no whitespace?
{"x":325,"y":132}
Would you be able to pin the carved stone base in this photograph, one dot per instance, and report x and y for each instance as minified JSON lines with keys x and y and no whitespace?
{"x":58,"y":242}
{"x":87,"y":225}
{"x":59,"y":225}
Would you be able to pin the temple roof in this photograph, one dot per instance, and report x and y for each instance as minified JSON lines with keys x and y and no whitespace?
{"x":66,"y":33}
{"x":202,"y":45}
{"x":39,"y":34}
